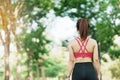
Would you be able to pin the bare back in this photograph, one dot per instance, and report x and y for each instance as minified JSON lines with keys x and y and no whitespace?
{"x":89,"y":46}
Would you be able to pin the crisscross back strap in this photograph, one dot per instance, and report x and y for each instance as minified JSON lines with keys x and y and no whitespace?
{"x":82,"y":44}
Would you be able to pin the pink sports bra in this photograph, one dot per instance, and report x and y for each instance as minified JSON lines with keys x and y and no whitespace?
{"x":83,"y":52}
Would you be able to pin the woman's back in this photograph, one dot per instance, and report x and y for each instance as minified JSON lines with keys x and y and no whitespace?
{"x":90,"y":44}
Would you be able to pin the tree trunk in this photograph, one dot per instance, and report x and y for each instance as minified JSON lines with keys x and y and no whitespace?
{"x":43,"y":73}
{"x":38,"y":72}
{"x":28,"y":66}
{"x":18,"y":63}
{"x":18,"y":54}
{"x":6,"y":19}
{"x":6,"y":41}
{"x":6,"y":55}
{"x":18,"y":50}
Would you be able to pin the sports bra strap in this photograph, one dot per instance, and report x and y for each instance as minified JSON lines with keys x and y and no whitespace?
{"x":82,"y":44}
{"x":86,"y":41}
{"x":78,"y":42}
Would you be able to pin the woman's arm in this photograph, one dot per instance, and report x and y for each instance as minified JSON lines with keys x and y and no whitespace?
{"x":71,"y":60}
{"x":96,"y":60}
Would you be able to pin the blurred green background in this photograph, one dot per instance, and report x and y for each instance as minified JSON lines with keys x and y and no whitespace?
{"x":34,"y":35}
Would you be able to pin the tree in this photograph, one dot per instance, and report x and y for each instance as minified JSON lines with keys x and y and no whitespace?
{"x":33,"y":11}
{"x":9,"y":12}
{"x":102,"y":21}
{"x":35,"y":44}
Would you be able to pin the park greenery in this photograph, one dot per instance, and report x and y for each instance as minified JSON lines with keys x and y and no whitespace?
{"x":33,"y":55}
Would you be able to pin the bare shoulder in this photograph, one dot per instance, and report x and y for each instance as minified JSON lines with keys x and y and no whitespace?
{"x":71,"y":42}
{"x":93,"y":41}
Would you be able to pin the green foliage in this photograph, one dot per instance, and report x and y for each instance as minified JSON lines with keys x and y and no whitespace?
{"x":53,"y":70}
{"x":1,"y":74}
{"x":102,"y":15}
{"x":36,"y":42}
{"x":104,"y":35}
{"x":114,"y":53}
{"x":115,"y":69}
{"x":65,"y":8}
{"x":36,"y":9}
{"x":57,"y":68}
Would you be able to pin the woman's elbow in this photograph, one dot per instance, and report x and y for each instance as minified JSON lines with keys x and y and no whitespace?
{"x":71,"y":60}
{"x":95,"y":60}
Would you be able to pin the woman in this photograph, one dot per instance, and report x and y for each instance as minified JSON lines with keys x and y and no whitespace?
{"x":83,"y":55}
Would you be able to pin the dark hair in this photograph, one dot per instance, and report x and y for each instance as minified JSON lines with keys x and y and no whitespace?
{"x":83,"y":28}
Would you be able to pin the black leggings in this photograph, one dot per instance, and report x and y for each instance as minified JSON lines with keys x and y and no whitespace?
{"x":84,"y":71}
